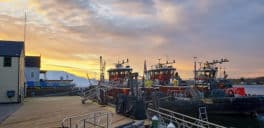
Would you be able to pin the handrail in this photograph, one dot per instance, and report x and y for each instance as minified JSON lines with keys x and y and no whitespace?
{"x":169,"y":116}
{"x":176,"y":118}
{"x":94,"y":124}
{"x":88,"y":91}
{"x":186,"y":116}
{"x":84,"y":118}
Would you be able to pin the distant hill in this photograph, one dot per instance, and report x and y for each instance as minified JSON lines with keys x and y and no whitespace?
{"x":257,"y":80}
{"x":62,"y":75}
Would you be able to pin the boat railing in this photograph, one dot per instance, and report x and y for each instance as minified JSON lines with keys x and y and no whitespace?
{"x":180,"y":120}
{"x":187,"y":94}
{"x":99,"y":119}
{"x":89,"y":94}
{"x":85,"y":93}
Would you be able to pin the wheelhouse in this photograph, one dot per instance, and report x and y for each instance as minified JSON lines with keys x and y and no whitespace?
{"x":162,"y":73}
{"x":120,"y":73}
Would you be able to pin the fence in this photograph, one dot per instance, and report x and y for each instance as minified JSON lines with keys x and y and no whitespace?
{"x":98,"y":119}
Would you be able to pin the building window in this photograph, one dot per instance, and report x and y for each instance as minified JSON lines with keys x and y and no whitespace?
{"x":32,"y":74}
{"x":7,"y":61}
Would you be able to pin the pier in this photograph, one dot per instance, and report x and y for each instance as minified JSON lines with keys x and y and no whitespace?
{"x":43,"y":112}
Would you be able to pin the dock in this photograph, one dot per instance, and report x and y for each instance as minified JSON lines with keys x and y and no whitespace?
{"x":43,"y":112}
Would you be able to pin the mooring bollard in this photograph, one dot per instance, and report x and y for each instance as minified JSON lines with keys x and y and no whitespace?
{"x":155,"y":122}
{"x":171,"y":125}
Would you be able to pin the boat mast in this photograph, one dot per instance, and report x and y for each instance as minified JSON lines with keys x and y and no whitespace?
{"x":102,"y":69}
{"x":195,"y":70}
{"x":144,"y":72}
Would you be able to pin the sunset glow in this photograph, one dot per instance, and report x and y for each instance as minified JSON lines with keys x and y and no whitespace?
{"x":70,"y":35}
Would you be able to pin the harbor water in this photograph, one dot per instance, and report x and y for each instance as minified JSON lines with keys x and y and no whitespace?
{"x":239,"y":121}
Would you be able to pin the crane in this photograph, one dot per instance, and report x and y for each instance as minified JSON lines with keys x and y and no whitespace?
{"x":87,"y":75}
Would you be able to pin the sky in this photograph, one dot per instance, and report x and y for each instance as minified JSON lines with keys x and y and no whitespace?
{"x":70,"y":35}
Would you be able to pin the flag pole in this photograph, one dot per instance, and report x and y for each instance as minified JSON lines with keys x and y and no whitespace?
{"x":24,"y":52}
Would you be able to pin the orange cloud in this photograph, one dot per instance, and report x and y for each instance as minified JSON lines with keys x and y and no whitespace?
{"x":71,"y":35}
{"x":6,"y":0}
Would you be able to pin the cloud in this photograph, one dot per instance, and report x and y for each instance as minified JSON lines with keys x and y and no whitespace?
{"x":78,"y":31}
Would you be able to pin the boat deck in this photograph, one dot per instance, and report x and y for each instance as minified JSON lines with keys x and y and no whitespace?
{"x":43,"y":112}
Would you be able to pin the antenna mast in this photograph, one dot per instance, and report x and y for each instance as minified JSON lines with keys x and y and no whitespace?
{"x":25,"y":31}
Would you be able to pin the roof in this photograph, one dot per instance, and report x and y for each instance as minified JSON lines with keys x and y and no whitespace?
{"x":32,"y":61}
{"x":11,"y":48}
{"x":43,"y":71}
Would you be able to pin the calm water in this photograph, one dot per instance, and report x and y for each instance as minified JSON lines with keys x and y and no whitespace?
{"x":239,"y":121}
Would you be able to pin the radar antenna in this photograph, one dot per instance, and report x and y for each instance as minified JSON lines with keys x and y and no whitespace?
{"x":160,"y":65}
{"x":214,"y":62}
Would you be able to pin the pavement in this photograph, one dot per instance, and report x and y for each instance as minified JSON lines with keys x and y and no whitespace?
{"x":48,"y":112}
{"x":7,"y":109}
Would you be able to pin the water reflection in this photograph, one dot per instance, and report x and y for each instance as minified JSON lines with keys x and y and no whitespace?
{"x":240,"y":121}
{"x":260,"y":119}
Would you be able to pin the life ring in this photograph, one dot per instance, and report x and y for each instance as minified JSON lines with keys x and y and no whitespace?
{"x":231,"y":93}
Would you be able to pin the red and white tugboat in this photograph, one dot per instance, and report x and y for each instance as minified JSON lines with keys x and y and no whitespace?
{"x":165,"y":78}
{"x":217,"y":95}
{"x":118,"y":79}
{"x":122,"y":90}
{"x":162,"y":73}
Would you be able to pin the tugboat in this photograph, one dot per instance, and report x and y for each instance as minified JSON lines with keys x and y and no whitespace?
{"x":164,"y":74}
{"x":118,"y":80}
{"x":164,"y":78}
{"x":122,"y":91}
{"x":217,"y":95}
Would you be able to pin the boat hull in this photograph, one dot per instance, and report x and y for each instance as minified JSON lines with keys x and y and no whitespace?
{"x":224,"y":105}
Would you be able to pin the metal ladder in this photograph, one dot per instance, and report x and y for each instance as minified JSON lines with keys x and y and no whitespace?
{"x":203,"y":116}
{"x":89,"y":94}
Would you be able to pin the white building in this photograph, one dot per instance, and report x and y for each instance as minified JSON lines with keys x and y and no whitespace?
{"x":32,"y":69}
{"x":11,"y":71}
